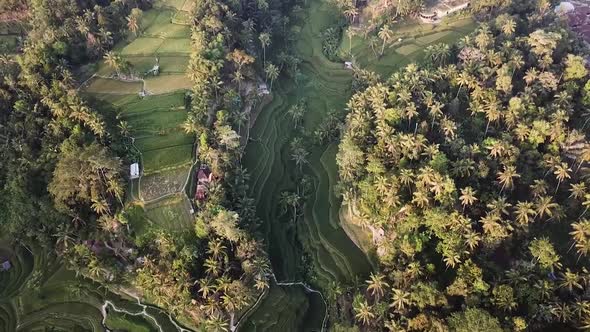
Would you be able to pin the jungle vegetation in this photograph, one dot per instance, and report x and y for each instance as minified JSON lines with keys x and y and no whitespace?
{"x":470,"y":170}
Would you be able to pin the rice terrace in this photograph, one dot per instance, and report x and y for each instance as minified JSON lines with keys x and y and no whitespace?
{"x":294,"y":165}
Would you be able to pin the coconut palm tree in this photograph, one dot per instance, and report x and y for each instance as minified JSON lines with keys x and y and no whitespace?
{"x":400,"y":300}
{"x":216,"y":249}
{"x":350,"y":33}
{"x":265,"y":41}
{"x":545,"y":206}
{"x":569,"y":280}
{"x":562,"y":172}
{"x":507,"y":176}
{"x":577,"y":190}
{"x":508,"y":27}
{"x":100,"y":206}
{"x":211,"y":266}
{"x":364,"y":312}
{"x":272,"y":73}
{"x":216,"y":323}
{"x":206,"y":287}
{"x":386,"y":35}
{"x":377,"y":285}
{"x":524,"y":210}
{"x":351,"y":13}
{"x":467,"y":197}
{"x":113,"y":60}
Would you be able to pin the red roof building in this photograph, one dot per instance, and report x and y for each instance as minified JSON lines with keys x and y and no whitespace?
{"x":204,"y":178}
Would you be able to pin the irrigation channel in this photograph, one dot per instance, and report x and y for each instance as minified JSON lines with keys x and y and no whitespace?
{"x":318,"y":236}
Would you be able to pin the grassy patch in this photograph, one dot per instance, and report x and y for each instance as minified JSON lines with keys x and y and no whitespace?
{"x":167,"y":83}
{"x":408,"y":49}
{"x":175,"y":46}
{"x":111,"y":86}
{"x":430,"y":39}
{"x":142,"y":46}
{"x":162,"y":26}
{"x":177,"y":4}
{"x":172,"y":214}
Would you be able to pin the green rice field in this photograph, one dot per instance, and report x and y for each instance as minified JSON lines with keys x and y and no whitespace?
{"x":157,"y":199}
{"x":333,"y":255}
{"x":39,"y":294}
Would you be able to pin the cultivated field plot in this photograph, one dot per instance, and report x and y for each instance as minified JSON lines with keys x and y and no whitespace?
{"x":141,"y":63}
{"x":155,"y":123}
{"x":111,"y":86}
{"x":163,"y":26}
{"x":172,"y":214}
{"x":410,"y":40}
{"x":167,"y":83}
{"x":163,"y":183}
{"x":39,"y":294}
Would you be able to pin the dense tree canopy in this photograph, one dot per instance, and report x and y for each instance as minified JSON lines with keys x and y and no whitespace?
{"x":471,"y":174}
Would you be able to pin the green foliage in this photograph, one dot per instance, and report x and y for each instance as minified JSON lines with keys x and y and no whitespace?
{"x":331,"y":42}
{"x":474,"y":319}
{"x":461,"y":169}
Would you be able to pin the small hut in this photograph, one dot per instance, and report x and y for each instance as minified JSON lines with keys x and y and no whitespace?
{"x":134,"y":171}
{"x":204,"y":178}
{"x":348,"y":64}
{"x":263,"y":89}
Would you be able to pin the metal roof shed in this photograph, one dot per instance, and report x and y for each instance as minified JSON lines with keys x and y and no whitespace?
{"x":134,"y":171}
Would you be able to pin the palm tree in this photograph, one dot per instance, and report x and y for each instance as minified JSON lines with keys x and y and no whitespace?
{"x":467,"y":197}
{"x":524,"y":210}
{"x":581,"y":236}
{"x":561,"y":311}
{"x":562,"y":172}
{"x":364,"y":312}
{"x":113,"y":60}
{"x":350,"y":33}
{"x":272,"y":73}
{"x":373,"y":43}
{"x":64,"y":237}
{"x":400,"y":299}
{"x":506,"y":177}
{"x":133,"y":20}
{"x":265,"y":41}
{"x":216,"y":249}
{"x":216,"y":323}
{"x":377,"y":285}
{"x":206,"y":287}
{"x":509,"y":27}
{"x":570,"y":280}
{"x":238,"y":78}
{"x":472,"y":239}
{"x":100,"y":206}
{"x":545,"y":206}
{"x":298,"y":152}
{"x":578,"y":190}
{"x":386,"y":36}
{"x":297,"y":112}
{"x":133,"y":24}
{"x":211,"y":266}
{"x":351,"y":13}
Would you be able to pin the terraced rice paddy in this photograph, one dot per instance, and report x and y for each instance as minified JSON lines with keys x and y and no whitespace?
{"x":39,"y":294}
{"x":334,"y":256}
{"x":155,"y":120}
